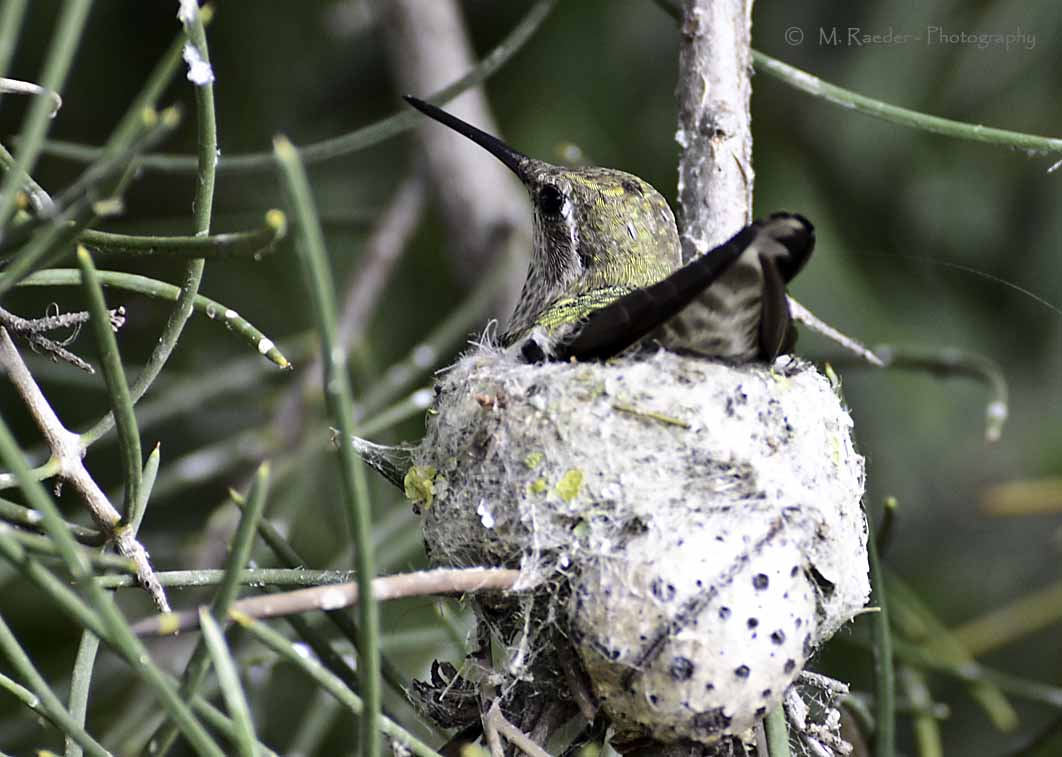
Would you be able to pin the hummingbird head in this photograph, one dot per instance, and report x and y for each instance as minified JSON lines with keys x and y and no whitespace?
{"x":594,"y":228}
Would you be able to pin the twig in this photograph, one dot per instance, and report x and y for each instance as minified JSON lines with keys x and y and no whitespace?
{"x":19,"y":87}
{"x":336,"y":596}
{"x":809,"y":319}
{"x":33,"y":329}
{"x":949,"y":361}
{"x":498,"y":723}
{"x":66,"y":450}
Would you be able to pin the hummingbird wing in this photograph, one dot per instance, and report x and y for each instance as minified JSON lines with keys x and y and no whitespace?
{"x":783,"y":241}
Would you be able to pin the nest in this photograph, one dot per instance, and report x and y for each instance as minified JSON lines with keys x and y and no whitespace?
{"x":691,"y":530}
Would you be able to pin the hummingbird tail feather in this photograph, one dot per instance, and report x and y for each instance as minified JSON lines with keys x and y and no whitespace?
{"x":784,"y":240}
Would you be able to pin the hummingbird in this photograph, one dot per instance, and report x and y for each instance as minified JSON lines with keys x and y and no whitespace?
{"x":605,"y":272}
{"x":606,"y":275}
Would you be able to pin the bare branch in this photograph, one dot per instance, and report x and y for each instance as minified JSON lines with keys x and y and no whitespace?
{"x":33,"y":330}
{"x":336,"y":596}
{"x":715,"y":168}
{"x":497,"y":722}
{"x":67,"y":451}
{"x":809,"y":319}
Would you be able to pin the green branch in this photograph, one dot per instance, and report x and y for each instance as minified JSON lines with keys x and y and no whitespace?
{"x":114,"y":378}
{"x":255,"y":242}
{"x":56,"y":66}
{"x":338,"y":397}
{"x":850,"y":100}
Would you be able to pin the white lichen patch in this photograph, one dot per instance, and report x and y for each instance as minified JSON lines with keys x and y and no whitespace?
{"x":200,"y":72}
{"x":694,"y":528}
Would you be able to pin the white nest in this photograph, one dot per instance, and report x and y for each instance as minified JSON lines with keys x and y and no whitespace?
{"x":695,"y":528}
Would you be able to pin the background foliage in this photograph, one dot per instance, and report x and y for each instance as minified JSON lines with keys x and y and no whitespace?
{"x":922,"y":241}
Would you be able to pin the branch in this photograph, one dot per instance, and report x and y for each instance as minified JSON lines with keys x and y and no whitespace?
{"x":715,"y":167}
{"x":336,"y":596}
{"x":66,"y":450}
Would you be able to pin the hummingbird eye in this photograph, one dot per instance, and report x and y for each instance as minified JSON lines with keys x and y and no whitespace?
{"x":551,"y":200}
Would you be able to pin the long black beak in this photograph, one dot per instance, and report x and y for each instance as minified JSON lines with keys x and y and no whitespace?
{"x":507,"y":155}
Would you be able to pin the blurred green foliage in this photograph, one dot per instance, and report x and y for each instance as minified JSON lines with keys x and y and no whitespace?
{"x":922,"y":241}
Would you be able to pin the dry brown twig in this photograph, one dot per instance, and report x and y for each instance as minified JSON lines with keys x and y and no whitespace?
{"x":336,"y":596}
{"x":67,"y":452}
{"x":33,"y":330}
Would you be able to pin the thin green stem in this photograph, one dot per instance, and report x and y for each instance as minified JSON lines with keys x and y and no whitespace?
{"x":330,"y":683}
{"x":217,"y":720}
{"x":926,"y":727}
{"x":88,"y":648}
{"x":339,"y":618}
{"x":977,"y":675}
{"x":11,"y":15}
{"x":777,"y":732}
{"x":338,"y":397}
{"x":850,"y":100}
{"x":80,"y":686}
{"x":49,"y":585}
{"x":345,"y":144}
{"x":1004,"y":625}
{"x":916,"y":621}
{"x":884,"y":670}
{"x":115,"y":630}
{"x":147,"y":484}
{"x":229,"y":683}
{"x":206,"y":171}
{"x":195,"y":579}
{"x":56,"y":66}
{"x":54,"y":236}
{"x":29,"y":518}
{"x":255,"y":243}
{"x":39,"y":544}
{"x":39,"y":200}
{"x":52,"y":707}
{"x":239,"y":553}
{"x":114,"y":378}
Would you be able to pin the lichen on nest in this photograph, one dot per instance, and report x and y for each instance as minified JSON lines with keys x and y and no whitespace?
{"x":692,"y":528}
